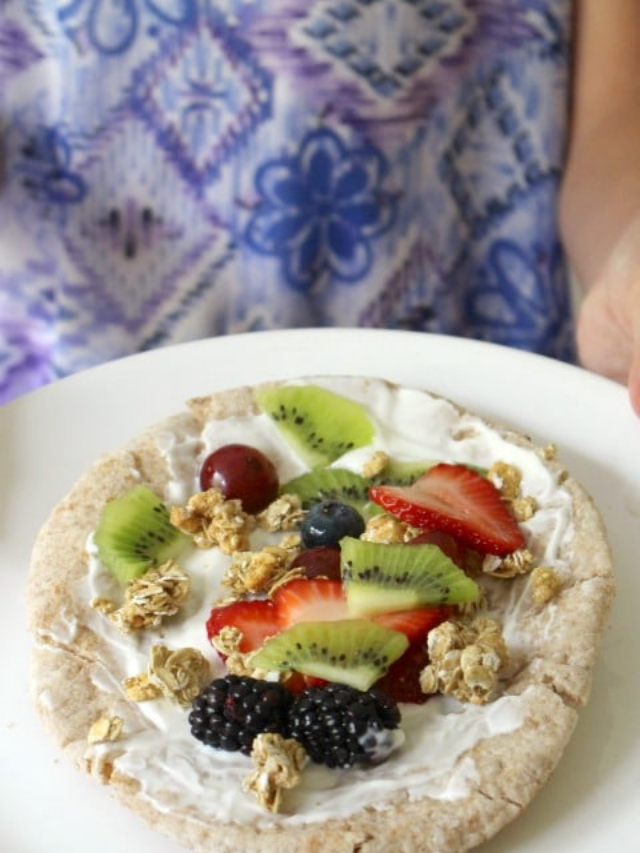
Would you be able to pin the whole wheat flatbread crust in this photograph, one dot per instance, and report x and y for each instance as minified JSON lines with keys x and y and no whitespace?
{"x":556,"y":672}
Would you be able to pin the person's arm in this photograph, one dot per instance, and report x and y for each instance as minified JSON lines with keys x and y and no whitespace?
{"x":600,"y":196}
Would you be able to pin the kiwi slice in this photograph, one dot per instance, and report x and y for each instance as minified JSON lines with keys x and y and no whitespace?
{"x":319,"y":424}
{"x":135,"y":533}
{"x":346,"y":486}
{"x":383,"y":578}
{"x":401,"y":473}
{"x":348,"y":651}
{"x":329,"y":484}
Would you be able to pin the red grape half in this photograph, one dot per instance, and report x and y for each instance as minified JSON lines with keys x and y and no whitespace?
{"x":241,"y":472}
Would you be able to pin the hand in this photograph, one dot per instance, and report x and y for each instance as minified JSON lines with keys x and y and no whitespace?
{"x":608,"y":328}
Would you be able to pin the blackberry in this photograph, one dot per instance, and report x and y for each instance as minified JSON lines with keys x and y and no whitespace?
{"x":231,"y":711}
{"x":340,"y":726}
{"x":328,"y":522}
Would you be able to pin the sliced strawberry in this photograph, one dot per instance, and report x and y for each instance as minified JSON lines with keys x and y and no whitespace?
{"x":255,"y":618}
{"x":309,"y":600}
{"x":401,"y":682}
{"x":458,"y":501}
{"x":414,"y":624}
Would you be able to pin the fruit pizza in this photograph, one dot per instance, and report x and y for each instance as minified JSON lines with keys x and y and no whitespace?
{"x":322,"y":614}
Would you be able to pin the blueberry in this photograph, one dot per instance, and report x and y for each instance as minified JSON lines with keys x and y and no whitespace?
{"x":328,"y":521}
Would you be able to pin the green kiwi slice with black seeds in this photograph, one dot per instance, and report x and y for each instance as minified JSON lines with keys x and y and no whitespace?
{"x":322,"y":484}
{"x":401,"y":473}
{"x":348,"y":487}
{"x":320,"y":425}
{"x":135,"y":533}
{"x":356,"y":652}
{"x":381,"y":578}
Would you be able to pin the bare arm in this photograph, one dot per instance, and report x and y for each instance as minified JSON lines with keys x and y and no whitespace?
{"x":600,"y":196}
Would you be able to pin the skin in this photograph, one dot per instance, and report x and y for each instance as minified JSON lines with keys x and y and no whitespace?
{"x":600,"y":196}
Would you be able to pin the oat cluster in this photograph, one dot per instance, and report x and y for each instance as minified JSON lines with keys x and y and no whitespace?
{"x":140,"y":688}
{"x":519,"y":562}
{"x":285,"y":513}
{"x":388,"y":529}
{"x":227,"y":643}
{"x":258,"y":571}
{"x":278,"y":764}
{"x":465,"y":660}
{"x":376,"y":464}
{"x":524,"y":508}
{"x":149,"y":599}
{"x":211,"y":520}
{"x":545,"y":584}
{"x":178,"y":675}
{"x":507,"y":479}
{"x":105,"y":730}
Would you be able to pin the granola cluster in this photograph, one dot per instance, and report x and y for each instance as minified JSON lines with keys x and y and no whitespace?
{"x":285,"y":513}
{"x":545,"y":584}
{"x":376,"y":464}
{"x":278,"y":764}
{"x":227,"y":643}
{"x":519,"y":562}
{"x":258,"y":571}
{"x":524,"y":508}
{"x":465,"y":660}
{"x":140,"y":688}
{"x":149,"y":599}
{"x":388,"y":529}
{"x":178,"y":675}
{"x":507,"y":479}
{"x":211,"y":520}
{"x":105,"y":730}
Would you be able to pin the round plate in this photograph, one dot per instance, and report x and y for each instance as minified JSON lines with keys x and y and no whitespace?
{"x":49,"y":437}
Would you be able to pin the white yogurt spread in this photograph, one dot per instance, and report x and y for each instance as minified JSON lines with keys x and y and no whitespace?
{"x":172,"y":766}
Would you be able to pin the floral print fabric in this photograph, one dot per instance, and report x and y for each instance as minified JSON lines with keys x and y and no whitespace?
{"x":173,"y":169}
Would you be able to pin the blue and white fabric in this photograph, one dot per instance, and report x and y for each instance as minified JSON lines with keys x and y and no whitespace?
{"x":174,"y":169}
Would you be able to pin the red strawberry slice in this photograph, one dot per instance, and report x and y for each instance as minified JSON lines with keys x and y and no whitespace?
{"x":458,"y":501}
{"x":309,"y":600}
{"x":401,"y":682}
{"x":414,"y":624}
{"x":255,"y":618}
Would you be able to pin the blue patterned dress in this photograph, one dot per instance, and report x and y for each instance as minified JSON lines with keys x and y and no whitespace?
{"x":174,"y":169}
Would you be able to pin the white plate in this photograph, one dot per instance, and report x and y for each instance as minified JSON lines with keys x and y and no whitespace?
{"x":47,"y":438}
